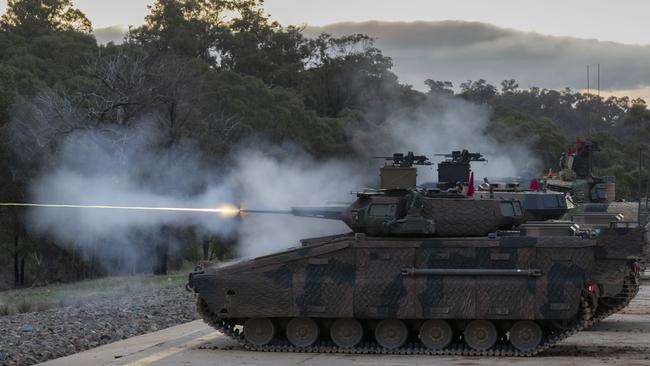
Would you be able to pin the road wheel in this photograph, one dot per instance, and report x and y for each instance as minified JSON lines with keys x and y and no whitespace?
{"x":302,"y":332}
{"x":391,"y":333}
{"x":525,"y":335}
{"x":346,"y":333}
{"x":480,"y":335}
{"x":436,"y":334}
{"x":259,"y":331}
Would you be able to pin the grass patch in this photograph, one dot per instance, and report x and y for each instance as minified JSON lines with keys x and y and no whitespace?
{"x":4,"y":310}
{"x":24,"y":306}
{"x":79,"y":293}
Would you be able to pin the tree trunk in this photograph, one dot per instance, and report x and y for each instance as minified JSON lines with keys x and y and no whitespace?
{"x":162,"y":255}
{"x":17,"y":282}
{"x":206,"y":250}
{"x":22,"y":271}
{"x":16,"y":270}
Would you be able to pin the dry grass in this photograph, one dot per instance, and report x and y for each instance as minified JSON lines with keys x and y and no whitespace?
{"x":42,"y":306}
{"x":4,"y":310}
{"x":80,"y":293}
{"x":24,"y":306}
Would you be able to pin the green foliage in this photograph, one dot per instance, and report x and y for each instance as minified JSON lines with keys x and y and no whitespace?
{"x":186,"y":27}
{"x":225,"y":30}
{"x":277,"y":114}
{"x":540,"y":134}
{"x":349,"y":73}
{"x":272,"y":54}
{"x":478,"y":91}
{"x":32,"y":18}
{"x":638,"y":115}
{"x":630,"y":183}
{"x":439,"y":87}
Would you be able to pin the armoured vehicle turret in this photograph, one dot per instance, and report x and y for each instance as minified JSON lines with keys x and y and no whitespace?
{"x":537,"y":203}
{"x":588,"y":193}
{"x":427,"y":272}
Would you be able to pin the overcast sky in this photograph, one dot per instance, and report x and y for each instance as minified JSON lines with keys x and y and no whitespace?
{"x":458,"y":51}
{"x":620,"y":21}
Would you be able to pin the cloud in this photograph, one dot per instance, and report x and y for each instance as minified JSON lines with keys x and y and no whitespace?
{"x":115,"y":34}
{"x":458,"y":51}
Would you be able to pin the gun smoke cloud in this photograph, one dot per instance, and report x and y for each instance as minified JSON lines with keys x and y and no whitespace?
{"x":135,"y":165}
{"x":440,"y":126}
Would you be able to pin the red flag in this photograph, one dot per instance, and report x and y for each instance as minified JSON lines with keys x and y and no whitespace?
{"x":470,"y":185}
{"x":534,"y":185}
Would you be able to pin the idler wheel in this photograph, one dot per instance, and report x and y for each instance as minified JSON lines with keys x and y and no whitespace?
{"x":436,"y":334}
{"x":259,"y":331}
{"x":346,"y":333}
{"x":391,"y":333}
{"x":302,"y":332}
{"x":525,"y":335}
{"x":481,"y":335}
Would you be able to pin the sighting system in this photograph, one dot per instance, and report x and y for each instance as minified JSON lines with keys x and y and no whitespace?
{"x":400,"y":172}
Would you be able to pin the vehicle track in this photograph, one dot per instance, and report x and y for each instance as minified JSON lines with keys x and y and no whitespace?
{"x":589,"y":315}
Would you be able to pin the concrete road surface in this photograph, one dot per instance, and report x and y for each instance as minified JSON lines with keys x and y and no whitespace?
{"x":622,"y":339}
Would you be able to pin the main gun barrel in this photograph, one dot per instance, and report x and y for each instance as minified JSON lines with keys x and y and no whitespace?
{"x":324,"y":212}
{"x":279,"y":212}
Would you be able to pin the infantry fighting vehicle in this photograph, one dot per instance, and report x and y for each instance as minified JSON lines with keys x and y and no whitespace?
{"x":427,"y":272}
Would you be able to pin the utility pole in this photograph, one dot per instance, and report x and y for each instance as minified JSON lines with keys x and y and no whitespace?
{"x":639,"y":181}
{"x":588,"y":85}
{"x":598,"y":99}
{"x":645,"y":206}
{"x":587,"y":103}
{"x":598,"y":79}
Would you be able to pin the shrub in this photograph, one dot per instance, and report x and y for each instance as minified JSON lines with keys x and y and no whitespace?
{"x":24,"y":306}
{"x":4,"y":310}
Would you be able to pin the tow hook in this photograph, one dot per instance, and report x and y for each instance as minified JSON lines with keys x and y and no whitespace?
{"x":189,"y":287}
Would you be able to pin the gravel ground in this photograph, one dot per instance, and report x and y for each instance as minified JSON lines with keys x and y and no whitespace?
{"x":26,"y":339}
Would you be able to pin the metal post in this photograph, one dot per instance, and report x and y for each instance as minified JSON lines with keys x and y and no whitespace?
{"x":598,"y":79}
{"x":639,"y":188}
{"x":588,"y":100}
{"x":645,"y":209}
{"x":588,"y":81}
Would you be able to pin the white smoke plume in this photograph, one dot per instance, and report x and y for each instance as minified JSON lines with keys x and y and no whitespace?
{"x":442,"y":126}
{"x":131,"y":166}
{"x":91,"y":170}
{"x":298,"y":180}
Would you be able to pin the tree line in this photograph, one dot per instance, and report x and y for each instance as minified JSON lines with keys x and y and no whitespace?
{"x":218,"y":72}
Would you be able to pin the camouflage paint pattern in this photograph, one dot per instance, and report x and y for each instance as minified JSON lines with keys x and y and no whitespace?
{"x":356,"y":276}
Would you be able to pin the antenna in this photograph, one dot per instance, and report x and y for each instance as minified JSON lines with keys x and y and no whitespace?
{"x":600,"y":118}
{"x":587,"y":104}
{"x":588,"y":86}
{"x":598,"y":79}
{"x":645,"y":210}
{"x":639,"y":184}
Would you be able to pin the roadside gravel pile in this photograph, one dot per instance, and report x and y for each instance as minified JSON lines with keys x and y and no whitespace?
{"x":26,"y":339}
